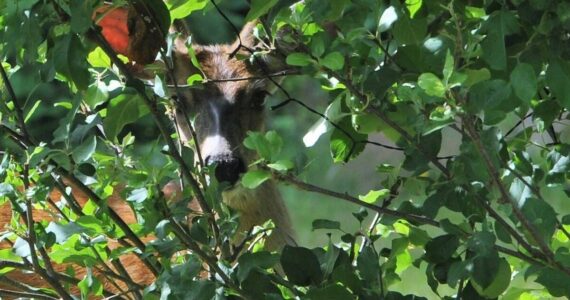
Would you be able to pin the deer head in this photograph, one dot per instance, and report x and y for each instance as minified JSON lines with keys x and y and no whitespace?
{"x":226,"y":106}
{"x":224,"y":110}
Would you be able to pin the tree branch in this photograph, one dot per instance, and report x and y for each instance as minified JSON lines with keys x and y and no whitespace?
{"x":494,"y":173}
{"x":24,"y":295}
{"x":17,"y":108}
{"x":289,"y":179}
{"x":139,"y":87}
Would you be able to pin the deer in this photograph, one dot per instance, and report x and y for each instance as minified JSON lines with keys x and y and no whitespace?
{"x":221,"y":114}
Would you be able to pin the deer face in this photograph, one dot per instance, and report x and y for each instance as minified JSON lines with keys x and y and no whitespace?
{"x":223,"y":109}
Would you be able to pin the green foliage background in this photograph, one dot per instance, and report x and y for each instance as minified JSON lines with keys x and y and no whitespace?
{"x":473,"y":205}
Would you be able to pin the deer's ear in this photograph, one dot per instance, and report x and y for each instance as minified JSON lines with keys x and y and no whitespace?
{"x":113,"y":23}
{"x":274,"y":61}
{"x":246,"y":35}
{"x":128,"y":34}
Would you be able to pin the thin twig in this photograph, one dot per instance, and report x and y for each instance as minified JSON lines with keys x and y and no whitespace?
{"x":512,"y":231}
{"x":393,"y":194}
{"x":519,"y":255}
{"x":286,"y":178}
{"x":48,"y":273}
{"x":535,"y":190}
{"x":76,"y":183}
{"x":561,"y":227}
{"x":208,"y":80}
{"x":354,"y":142}
{"x":24,"y":295}
{"x":494,"y":173}
{"x":517,"y":125}
{"x":388,"y":121}
{"x":25,"y":288}
{"x":31,"y":239}
{"x":185,"y":238}
{"x":152,"y":105}
{"x":17,"y":108}
{"x":234,"y":28}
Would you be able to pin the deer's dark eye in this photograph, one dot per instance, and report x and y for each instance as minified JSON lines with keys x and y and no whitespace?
{"x":258,"y":99}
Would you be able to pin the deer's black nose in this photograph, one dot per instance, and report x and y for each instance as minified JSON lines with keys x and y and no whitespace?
{"x":228,"y":167}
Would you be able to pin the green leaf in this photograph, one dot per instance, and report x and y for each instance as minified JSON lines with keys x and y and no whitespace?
{"x":499,"y":25}
{"x":389,"y":16}
{"x":448,"y":67}
{"x":123,"y":109}
{"x":192,"y":79}
{"x":413,"y":6}
{"x":90,"y":285}
{"x":369,"y":267}
{"x":485,"y":269}
{"x":333,"y":61}
{"x":63,"y":231}
{"x":258,"y":283}
{"x":299,"y":59}
{"x":361,"y":214}
{"x":374,"y":196}
{"x":91,"y":224}
{"x":410,"y":31}
{"x":482,"y":243}
{"x":557,"y":77}
{"x":417,"y":161}
{"x":6,"y":190}
{"x":267,"y":145}
{"x":317,"y":45}
{"x":281,"y":165}
{"x":441,"y":248}
{"x":403,"y":262}
{"x":542,"y":216}
{"x":488,"y":94}
{"x":84,"y":151}
{"x":160,"y":14}
{"x":333,"y":113}
{"x":255,"y":178}
{"x":367,"y":123}
{"x":499,"y":283}
{"x":301,"y":266}
{"x":198,"y":290}
{"x":559,"y":163}
{"x":458,"y":270}
{"x":137,"y":195}
{"x":346,"y":275}
{"x":99,"y":59}
{"x":325,"y":224}
{"x":259,"y":8}
{"x":342,"y":147}
{"x":96,"y":94}
{"x":431,"y":84}
{"x":258,"y":260}
{"x":524,"y":82}
{"x":180,"y":9}
{"x":62,"y":132}
{"x":476,"y":76}
{"x":71,"y":251}
{"x":555,"y":281}
{"x":69,"y":60}
{"x":330,"y":292}
{"x":81,"y":12}
{"x":32,"y":110}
